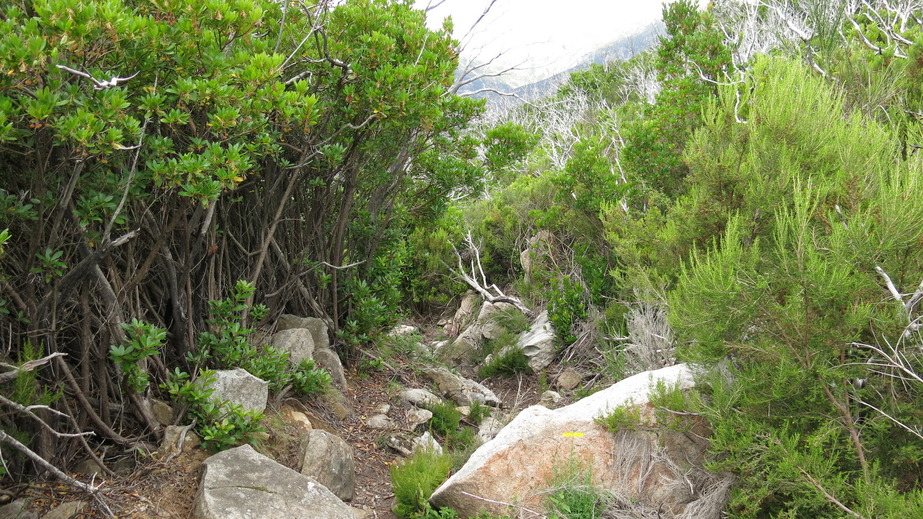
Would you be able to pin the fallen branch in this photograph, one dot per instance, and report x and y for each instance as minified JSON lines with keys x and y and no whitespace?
{"x":94,"y":491}
{"x":481,"y":287}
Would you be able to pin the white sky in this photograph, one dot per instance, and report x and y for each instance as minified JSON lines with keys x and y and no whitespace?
{"x":545,"y":34}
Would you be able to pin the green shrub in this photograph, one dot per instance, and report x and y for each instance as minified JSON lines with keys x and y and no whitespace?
{"x":478,"y":412}
{"x":446,"y":419}
{"x":625,"y":416}
{"x":566,"y":308}
{"x":572,"y":494}
{"x":512,"y":362}
{"x":414,"y":480}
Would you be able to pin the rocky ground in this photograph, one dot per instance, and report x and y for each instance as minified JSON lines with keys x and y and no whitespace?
{"x":166,"y":490}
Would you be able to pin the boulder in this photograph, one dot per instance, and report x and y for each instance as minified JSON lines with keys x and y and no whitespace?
{"x":460,"y":352}
{"x":238,"y":386}
{"x":419,"y":397}
{"x":539,"y":343}
{"x":465,"y":310}
{"x":460,"y":390}
{"x":329,"y":360}
{"x":317,"y":328}
{"x":298,"y":342}
{"x":329,"y":460}
{"x":241,"y":483}
{"x":486,"y":324}
{"x":639,"y":466}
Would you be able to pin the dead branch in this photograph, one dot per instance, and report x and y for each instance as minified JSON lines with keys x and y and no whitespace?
{"x":491,"y":293}
{"x":26,"y":366}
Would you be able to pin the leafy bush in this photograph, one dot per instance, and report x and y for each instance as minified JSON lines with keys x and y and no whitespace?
{"x":478,"y":412}
{"x":414,"y":480}
{"x":446,"y":419}
{"x":566,"y":307}
{"x":142,"y":341}
{"x":572,"y":494}
{"x":220,"y":424}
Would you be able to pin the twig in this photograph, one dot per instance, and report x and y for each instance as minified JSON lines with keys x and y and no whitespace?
{"x":27,"y":366}
{"x":827,"y":495}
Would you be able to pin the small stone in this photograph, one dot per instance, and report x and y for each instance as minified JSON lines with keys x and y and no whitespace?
{"x":426,"y":441}
{"x":402,"y":330}
{"x":569,"y":379}
{"x":549,"y":399}
{"x":300,"y":418}
{"x":420,"y":397}
{"x":162,"y":411}
{"x":384,"y":409}
{"x":417,"y":417}
{"x":380,"y":421}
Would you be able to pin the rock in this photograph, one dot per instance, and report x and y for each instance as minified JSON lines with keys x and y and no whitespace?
{"x":317,"y":328}
{"x":298,"y":342}
{"x":569,"y":379}
{"x":329,"y":460}
{"x":177,"y":438}
{"x":300,"y":418}
{"x":383,"y":409}
{"x":426,"y":441}
{"x":66,"y":510}
{"x":361,"y":513}
{"x":486,"y":324}
{"x":460,"y":390}
{"x":464,"y":313}
{"x":490,"y":427}
{"x":329,"y":360}
{"x":518,"y":465}
{"x":380,"y":421}
{"x":241,"y":483}
{"x":162,"y":411}
{"x":419,"y":397}
{"x":17,"y":510}
{"x":550,"y":399}
{"x":401,"y":442}
{"x":461,"y":351}
{"x":539,"y":248}
{"x":403,"y":330}
{"x":539,"y":343}
{"x":417,"y":417}
{"x":237,"y":386}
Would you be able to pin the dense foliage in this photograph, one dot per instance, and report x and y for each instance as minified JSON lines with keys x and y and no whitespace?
{"x":152,"y":154}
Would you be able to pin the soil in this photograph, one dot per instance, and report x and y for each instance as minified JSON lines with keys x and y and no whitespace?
{"x":157,"y":489}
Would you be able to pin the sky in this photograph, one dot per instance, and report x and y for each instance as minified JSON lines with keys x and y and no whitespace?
{"x":542,"y":35}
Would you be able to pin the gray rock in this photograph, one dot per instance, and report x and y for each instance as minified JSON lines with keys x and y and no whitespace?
{"x":486,"y":324}
{"x":66,"y":510}
{"x":539,"y":343}
{"x":317,"y":327}
{"x":426,"y":441}
{"x":176,"y":439}
{"x":329,"y":460}
{"x":419,"y":397}
{"x":380,"y":421}
{"x":17,"y":510}
{"x":549,"y":399}
{"x":517,"y":466}
{"x":569,"y":379}
{"x":298,"y":342}
{"x":539,"y":248}
{"x":238,"y":386}
{"x":417,"y":417}
{"x":460,"y":351}
{"x":403,"y":330}
{"x":162,"y":411}
{"x":241,"y":483}
{"x":460,"y":390}
{"x":490,"y":427}
{"x":329,"y":360}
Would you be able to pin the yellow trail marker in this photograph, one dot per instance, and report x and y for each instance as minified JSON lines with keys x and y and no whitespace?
{"x":573,"y":435}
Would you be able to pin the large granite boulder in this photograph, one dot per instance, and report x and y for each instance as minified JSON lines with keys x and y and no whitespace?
{"x":329,"y":460}
{"x":646,"y":466}
{"x":238,"y":386}
{"x":316,"y":327}
{"x":539,"y":343}
{"x":241,"y":483}
{"x":298,"y":342}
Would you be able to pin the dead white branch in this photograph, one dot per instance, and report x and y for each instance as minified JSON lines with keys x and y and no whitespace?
{"x":490,"y":292}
